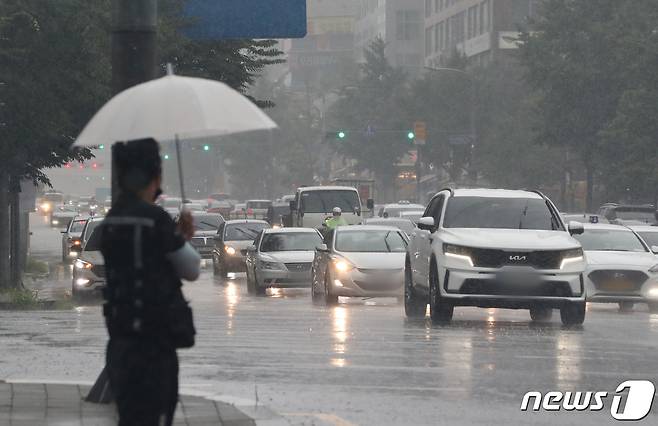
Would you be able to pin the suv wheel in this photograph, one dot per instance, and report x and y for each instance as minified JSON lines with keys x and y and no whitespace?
{"x":573,"y":313}
{"x":541,"y":313}
{"x":441,"y":310}
{"x":329,"y":299}
{"x":626,"y":306}
{"x":414,"y":306}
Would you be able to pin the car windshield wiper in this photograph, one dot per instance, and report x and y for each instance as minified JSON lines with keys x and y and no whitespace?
{"x":523,"y":215}
{"x":388,"y":247}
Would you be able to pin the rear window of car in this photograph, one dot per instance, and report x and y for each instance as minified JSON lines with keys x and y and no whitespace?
{"x":77,"y":226}
{"x":610,"y":240}
{"x":375,"y":241}
{"x":289,"y":241}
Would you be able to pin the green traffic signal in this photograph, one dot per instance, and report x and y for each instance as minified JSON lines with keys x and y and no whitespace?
{"x":411,"y":136}
{"x":166,"y":156}
{"x":206,"y":147}
{"x":101,"y":146}
{"x":341,"y":135}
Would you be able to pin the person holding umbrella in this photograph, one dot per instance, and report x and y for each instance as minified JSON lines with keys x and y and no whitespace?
{"x":146,"y":256}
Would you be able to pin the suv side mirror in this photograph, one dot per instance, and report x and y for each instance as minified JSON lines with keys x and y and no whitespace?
{"x":654,"y":249}
{"x":370,"y":203}
{"x":575,"y":228}
{"x":322,"y":248}
{"x":427,"y":223}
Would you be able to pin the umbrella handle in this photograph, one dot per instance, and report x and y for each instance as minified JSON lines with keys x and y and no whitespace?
{"x":180,"y":172}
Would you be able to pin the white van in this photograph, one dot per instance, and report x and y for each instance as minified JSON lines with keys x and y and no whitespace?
{"x":314,"y":204}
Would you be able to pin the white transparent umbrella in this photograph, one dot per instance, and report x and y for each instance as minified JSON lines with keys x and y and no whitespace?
{"x":174,"y":108}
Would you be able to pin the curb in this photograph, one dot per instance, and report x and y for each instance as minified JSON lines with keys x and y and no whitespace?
{"x":260,"y":415}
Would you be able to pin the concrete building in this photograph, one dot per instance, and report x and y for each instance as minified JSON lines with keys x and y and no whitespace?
{"x":480,"y":29}
{"x":399,"y":23}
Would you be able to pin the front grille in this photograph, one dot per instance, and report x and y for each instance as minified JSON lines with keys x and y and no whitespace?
{"x":618,"y":280}
{"x":299,"y":267}
{"x":200,"y":242}
{"x":491,"y":258}
{"x":98,"y":270}
{"x":378,"y":285}
{"x":498,"y":288}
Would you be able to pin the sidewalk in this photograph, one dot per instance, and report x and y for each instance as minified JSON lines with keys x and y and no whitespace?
{"x":37,"y":404}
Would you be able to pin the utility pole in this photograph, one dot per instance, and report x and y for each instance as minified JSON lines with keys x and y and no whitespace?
{"x":134,"y":44}
{"x":134,"y":33}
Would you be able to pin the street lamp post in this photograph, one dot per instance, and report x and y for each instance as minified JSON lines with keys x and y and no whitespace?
{"x":472,"y":127}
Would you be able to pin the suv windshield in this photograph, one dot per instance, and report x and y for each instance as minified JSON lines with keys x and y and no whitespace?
{"x":610,"y":240}
{"x":288,"y":241}
{"x":243,"y":231}
{"x":370,"y":241}
{"x":325,"y":201}
{"x":498,"y":212}
{"x":89,"y":229}
{"x":94,"y":242}
{"x":651,"y":238}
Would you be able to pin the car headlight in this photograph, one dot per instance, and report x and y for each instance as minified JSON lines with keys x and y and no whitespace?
{"x":45,"y":206}
{"x":76,"y":242}
{"x":654,"y":268}
{"x":264,"y":264}
{"x":230,"y":250}
{"x":571,"y":256}
{"x":55,"y":222}
{"x":81,"y":264}
{"x":458,"y":252}
{"x":342,"y":265}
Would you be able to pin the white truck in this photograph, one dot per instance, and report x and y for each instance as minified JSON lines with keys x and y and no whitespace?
{"x":314,"y":204}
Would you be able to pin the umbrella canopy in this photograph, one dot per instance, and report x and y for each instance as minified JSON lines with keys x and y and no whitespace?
{"x":174,"y":107}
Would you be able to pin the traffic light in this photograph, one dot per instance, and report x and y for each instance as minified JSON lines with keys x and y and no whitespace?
{"x":101,"y":146}
{"x":341,"y":134}
{"x":166,"y":156}
{"x":411,"y":135}
{"x":206,"y":148}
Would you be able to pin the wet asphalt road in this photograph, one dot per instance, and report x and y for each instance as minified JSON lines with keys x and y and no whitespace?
{"x":360,"y":362}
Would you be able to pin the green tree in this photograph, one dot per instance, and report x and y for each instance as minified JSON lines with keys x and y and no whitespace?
{"x":571,"y":55}
{"x":375,"y":103}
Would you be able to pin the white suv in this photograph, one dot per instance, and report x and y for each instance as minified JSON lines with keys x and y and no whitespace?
{"x":494,"y":248}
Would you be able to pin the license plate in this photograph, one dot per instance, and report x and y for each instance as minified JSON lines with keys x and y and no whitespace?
{"x":618,"y":285}
{"x":518,"y":279}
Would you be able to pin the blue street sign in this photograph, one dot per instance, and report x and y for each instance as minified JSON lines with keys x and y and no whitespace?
{"x":231,"y":19}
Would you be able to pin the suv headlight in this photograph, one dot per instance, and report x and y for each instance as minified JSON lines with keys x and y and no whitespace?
{"x":342,"y":265}
{"x":230,"y":250}
{"x":458,"y":252}
{"x":571,"y":256}
{"x":81,"y":264}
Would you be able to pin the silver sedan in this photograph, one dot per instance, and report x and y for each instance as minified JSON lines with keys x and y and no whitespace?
{"x":359,"y":261}
{"x":281,"y":258}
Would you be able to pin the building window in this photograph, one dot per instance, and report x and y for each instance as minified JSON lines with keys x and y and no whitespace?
{"x":471,"y":30}
{"x":457,"y":27}
{"x":484,"y":17}
{"x":428,"y":41}
{"x":408,"y":25}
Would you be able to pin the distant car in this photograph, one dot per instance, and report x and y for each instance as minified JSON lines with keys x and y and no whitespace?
{"x":278,"y":214}
{"x":402,"y":224}
{"x":230,"y":244}
{"x":106,"y":206}
{"x":627,"y":214}
{"x":89,"y":268}
{"x":650,"y":236}
{"x":257,"y":209}
{"x":359,"y":261}
{"x":72,"y":238}
{"x":61,"y":216}
{"x":394,"y":210}
{"x":49,"y":201}
{"x":620,"y":267}
{"x":205,"y":229}
{"x":222,"y":207}
{"x":281,"y":258}
{"x":583,"y":218}
{"x":194,"y":207}
{"x":239,"y":211}
{"x":412,"y":215}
